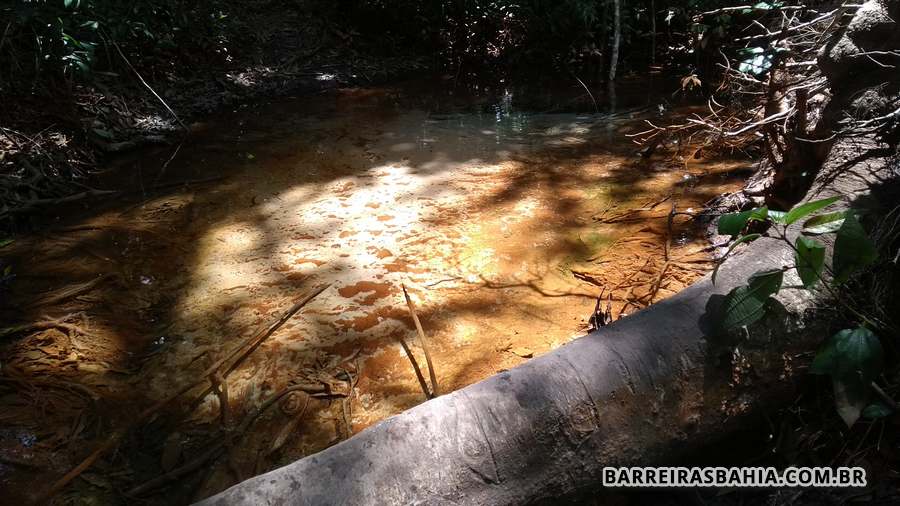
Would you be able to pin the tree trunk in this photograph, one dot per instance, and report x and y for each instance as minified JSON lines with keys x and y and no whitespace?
{"x":617,"y":39}
{"x":652,"y":33}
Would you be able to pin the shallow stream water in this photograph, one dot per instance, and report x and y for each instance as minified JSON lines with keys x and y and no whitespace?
{"x":504,"y":224}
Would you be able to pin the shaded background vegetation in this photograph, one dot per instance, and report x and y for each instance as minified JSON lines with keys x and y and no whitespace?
{"x":51,"y":42}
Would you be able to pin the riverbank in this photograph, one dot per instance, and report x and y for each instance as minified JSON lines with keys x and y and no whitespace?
{"x":54,"y":135}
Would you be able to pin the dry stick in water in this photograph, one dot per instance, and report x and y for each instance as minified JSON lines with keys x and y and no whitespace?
{"x":254,"y":341}
{"x":415,"y":365}
{"x":220,"y":446}
{"x":141,"y":79}
{"x":669,"y":231}
{"x":412,"y":311}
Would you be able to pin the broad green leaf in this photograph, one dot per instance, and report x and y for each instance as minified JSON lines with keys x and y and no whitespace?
{"x":747,"y":304}
{"x":850,"y":352}
{"x":741,"y":308}
{"x":808,"y":208}
{"x":759,"y":214}
{"x":765,"y":283}
{"x":733,"y":223}
{"x":824,"y":223}
{"x":876,"y":410}
{"x":6,"y":242}
{"x":777,"y":216}
{"x":853,"y":358}
{"x":852,"y":249}
{"x":809,"y":259}
{"x":858,"y":353}
{"x":741,"y":239}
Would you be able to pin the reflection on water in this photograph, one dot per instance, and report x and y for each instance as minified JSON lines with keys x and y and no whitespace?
{"x":504,"y":224}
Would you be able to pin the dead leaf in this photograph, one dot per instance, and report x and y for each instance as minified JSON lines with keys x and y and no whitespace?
{"x":522,"y":351}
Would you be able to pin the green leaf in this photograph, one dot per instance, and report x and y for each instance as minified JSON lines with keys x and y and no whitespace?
{"x":853,"y":249}
{"x":850,"y":352}
{"x":777,"y":216}
{"x":747,"y":304}
{"x":741,"y":239}
{"x":759,"y":214}
{"x":876,"y":410}
{"x":106,"y":134}
{"x":808,"y":208}
{"x":853,"y":358}
{"x":858,"y":353}
{"x":733,"y":223}
{"x":741,"y":308}
{"x":824,"y":223}
{"x":809,"y":259}
{"x":6,"y":242}
{"x":765,"y":283}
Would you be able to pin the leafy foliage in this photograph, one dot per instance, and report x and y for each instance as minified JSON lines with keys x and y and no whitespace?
{"x":824,"y":223}
{"x":64,"y":38}
{"x":809,"y":257}
{"x":853,"y":249}
{"x":852,"y":357}
{"x":746,"y":304}
{"x":732,"y":224}
{"x":808,"y":208}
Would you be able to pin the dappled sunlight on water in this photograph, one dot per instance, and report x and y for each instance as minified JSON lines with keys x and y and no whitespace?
{"x":503,"y":225}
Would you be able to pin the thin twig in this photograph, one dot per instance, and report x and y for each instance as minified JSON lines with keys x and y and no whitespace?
{"x":141,"y":79}
{"x":596,"y":108}
{"x":416,"y":369}
{"x":421,"y":333}
{"x":885,"y":397}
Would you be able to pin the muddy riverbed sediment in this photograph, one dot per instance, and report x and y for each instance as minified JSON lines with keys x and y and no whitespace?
{"x":504,"y":225}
